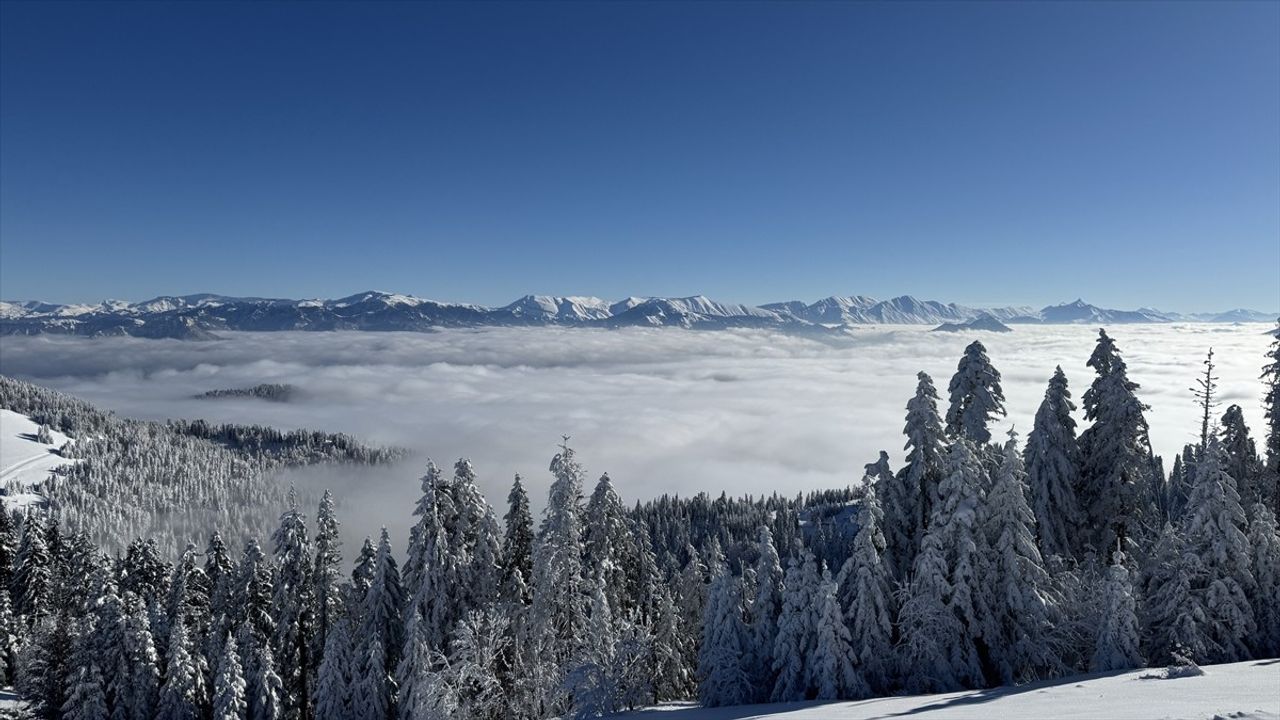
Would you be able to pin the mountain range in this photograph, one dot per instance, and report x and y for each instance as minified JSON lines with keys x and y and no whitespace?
{"x":201,"y":316}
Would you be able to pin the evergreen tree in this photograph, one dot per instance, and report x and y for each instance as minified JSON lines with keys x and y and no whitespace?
{"x":267,"y":701}
{"x":8,"y":548}
{"x":956,"y":516}
{"x":326,"y":578}
{"x":137,"y":697}
{"x":559,"y":611}
{"x":869,"y":605}
{"x":1264,"y":541}
{"x":1178,"y":486}
{"x":32,"y":570}
{"x":183,"y":695}
{"x":671,"y":677}
{"x":382,"y":619}
{"x":1270,"y":490}
{"x":1024,"y":605}
{"x":793,"y":649}
{"x":517,"y":544}
{"x":765,"y":611}
{"x":333,"y":696}
{"x":1240,"y":456}
{"x":1174,"y":617}
{"x":87,"y":700}
{"x":1116,"y":645}
{"x":433,"y":569}
{"x":1053,"y":470}
{"x":896,"y":503}
{"x":8,"y":636}
{"x":1214,"y":526}
{"x":294,"y":608}
{"x":928,"y":627}
{"x":228,"y":687}
{"x":1115,"y":455}
{"x":926,"y":454}
{"x":722,"y":678}
{"x":833,"y":670}
{"x":976,"y":396}
{"x":610,"y":551}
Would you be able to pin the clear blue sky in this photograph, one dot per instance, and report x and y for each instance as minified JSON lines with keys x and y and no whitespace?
{"x":982,"y":153}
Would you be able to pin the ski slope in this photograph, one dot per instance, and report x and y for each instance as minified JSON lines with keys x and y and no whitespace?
{"x":1238,"y":691}
{"x":25,"y":462}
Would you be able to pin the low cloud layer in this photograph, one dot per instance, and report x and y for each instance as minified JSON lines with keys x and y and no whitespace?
{"x":660,"y":410}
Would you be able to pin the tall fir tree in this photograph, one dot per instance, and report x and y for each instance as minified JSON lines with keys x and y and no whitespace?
{"x":976,"y":396}
{"x":1264,"y":542}
{"x":833,"y":669}
{"x":929,"y":629}
{"x":1116,"y":468}
{"x":1052,"y":462}
{"x":183,"y":694}
{"x":926,"y":454}
{"x":868,"y":602}
{"x":1116,"y":646}
{"x":517,"y":545}
{"x":326,"y":578}
{"x":1270,"y":490}
{"x":1240,"y":456}
{"x":382,"y":619}
{"x":293,"y":606}
{"x":333,"y":696}
{"x":229,"y":701}
{"x":794,"y":646}
{"x":1173,"y":617}
{"x":765,"y":611}
{"x":722,"y":677}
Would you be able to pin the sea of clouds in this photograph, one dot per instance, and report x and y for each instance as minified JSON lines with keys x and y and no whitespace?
{"x":661,"y":410}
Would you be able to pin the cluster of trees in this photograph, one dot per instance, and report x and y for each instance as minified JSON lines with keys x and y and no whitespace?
{"x":976,"y":563}
{"x":168,"y":481}
{"x":274,"y":392}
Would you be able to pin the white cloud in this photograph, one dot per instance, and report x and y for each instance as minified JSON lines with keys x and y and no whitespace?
{"x":660,"y":410}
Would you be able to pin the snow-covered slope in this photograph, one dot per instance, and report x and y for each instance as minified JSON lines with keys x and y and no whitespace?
{"x":24,"y":461}
{"x":196,"y":317}
{"x":1238,"y":691}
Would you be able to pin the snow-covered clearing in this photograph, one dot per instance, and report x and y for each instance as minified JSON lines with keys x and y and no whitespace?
{"x":1238,"y":691}
{"x":24,"y":461}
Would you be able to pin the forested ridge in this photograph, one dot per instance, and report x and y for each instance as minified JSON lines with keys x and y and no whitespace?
{"x":980,"y":561}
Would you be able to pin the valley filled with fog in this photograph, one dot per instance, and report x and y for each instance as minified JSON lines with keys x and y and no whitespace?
{"x":661,"y":410}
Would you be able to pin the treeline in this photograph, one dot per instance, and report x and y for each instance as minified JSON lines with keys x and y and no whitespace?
{"x":168,"y":481}
{"x":275,"y":392}
{"x":976,"y":563}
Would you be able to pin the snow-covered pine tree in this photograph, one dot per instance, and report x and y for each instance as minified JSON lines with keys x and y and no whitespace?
{"x":1024,"y":604}
{"x":433,"y":567}
{"x":764,"y":613}
{"x":896,"y":503}
{"x":267,"y":701}
{"x":326,"y":578}
{"x":382,"y":619}
{"x":229,"y":701}
{"x":332,"y":696}
{"x":976,"y":396}
{"x":86,"y":698}
{"x":928,"y":627}
{"x":833,"y":669}
{"x":480,"y":639}
{"x":926,"y":454}
{"x":610,"y":547}
{"x":476,"y":540}
{"x":691,"y":588}
{"x":1052,"y":462}
{"x":517,"y":545}
{"x":1270,"y":490}
{"x":1115,"y":471}
{"x":137,"y":697}
{"x":559,"y":611}
{"x":8,"y":636}
{"x":366,"y":566}
{"x":670,"y":673}
{"x":868,"y":598}
{"x":794,"y":646}
{"x":1178,"y":486}
{"x":1264,"y":541}
{"x":184,"y":694}
{"x":8,"y":546}
{"x":32,"y":571}
{"x":1240,"y":456}
{"x":1214,"y":527}
{"x":957,"y":519}
{"x":293,"y":608}
{"x":722,"y":678}
{"x":1117,"y":643}
{"x":1173,"y":616}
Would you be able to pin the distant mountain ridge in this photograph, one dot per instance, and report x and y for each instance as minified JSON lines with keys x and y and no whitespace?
{"x":201,"y":316}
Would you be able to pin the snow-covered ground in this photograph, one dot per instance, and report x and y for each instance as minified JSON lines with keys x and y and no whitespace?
{"x":1238,"y":691}
{"x":23,"y":460}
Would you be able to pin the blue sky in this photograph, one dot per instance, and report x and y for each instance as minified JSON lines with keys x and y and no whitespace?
{"x":981,"y":153}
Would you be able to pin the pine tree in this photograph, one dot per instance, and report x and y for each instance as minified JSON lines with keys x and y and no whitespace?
{"x":8,"y":636}
{"x":896,"y":503}
{"x":32,"y":570}
{"x":926,"y":453}
{"x":1115,"y":456}
{"x":362,"y":574}
{"x":1264,"y":541}
{"x":1270,"y":490}
{"x":8,"y":548}
{"x":765,"y":611}
{"x":183,"y":695}
{"x":1178,"y":486}
{"x":294,"y":608}
{"x":957,"y":518}
{"x":333,"y":690}
{"x":382,"y":618}
{"x":1214,"y":527}
{"x":228,"y":686}
{"x":433,"y":568}
{"x":1240,"y":456}
{"x":137,"y":697}
{"x":722,"y":679}
{"x":793,"y":649}
{"x":1116,"y":645}
{"x":671,"y":677}
{"x":833,"y":669}
{"x":976,"y":396}
{"x":267,"y":701}
{"x":869,"y":604}
{"x":559,"y":610}
{"x":1205,"y":395}
{"x":1173,"y":616}
{"x":1024,"y":605}
{"x":1053,"y":471}
{"x":610,"y":550}
{"x":928,"y":627}
{"x":517,"y":544}
{"x":326,"y":578}
{"x":87,"y":700}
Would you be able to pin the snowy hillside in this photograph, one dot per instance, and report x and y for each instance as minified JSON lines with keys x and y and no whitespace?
{"x":1237,"y":691}
{"x":24,"y":460}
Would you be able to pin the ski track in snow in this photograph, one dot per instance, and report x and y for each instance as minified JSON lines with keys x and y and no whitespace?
{"x":23,"y":460}
{"x":1237,"y":691}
